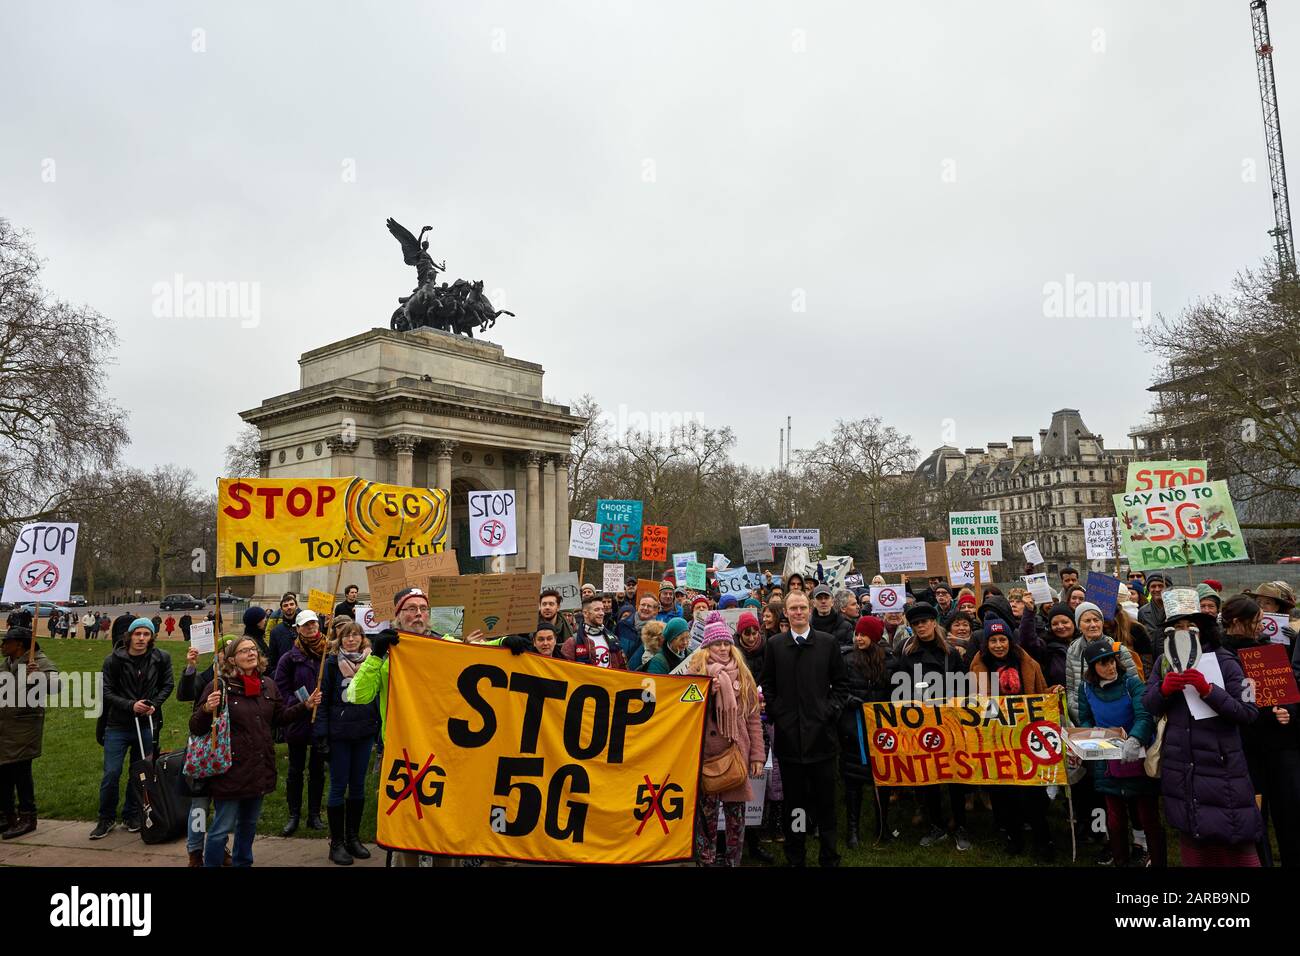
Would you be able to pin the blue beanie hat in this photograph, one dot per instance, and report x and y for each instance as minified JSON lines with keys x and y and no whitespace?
{"x":728,"y":600}
{"x":142,"y":622}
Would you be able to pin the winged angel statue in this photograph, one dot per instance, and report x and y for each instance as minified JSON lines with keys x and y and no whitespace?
{"x":458,"y":307}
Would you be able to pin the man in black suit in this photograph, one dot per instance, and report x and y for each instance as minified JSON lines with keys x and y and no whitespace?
{"x":805,"y":687}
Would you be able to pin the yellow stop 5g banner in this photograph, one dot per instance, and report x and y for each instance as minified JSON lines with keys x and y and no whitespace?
{"x":532,"y":758}
{"x":285,"y":524}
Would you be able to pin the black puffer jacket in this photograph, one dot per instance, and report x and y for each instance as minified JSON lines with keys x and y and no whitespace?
{"x":336,"y":719}
{"x":934,"y":665}
{"x":861,"y":691}
{"x":836,"y":625}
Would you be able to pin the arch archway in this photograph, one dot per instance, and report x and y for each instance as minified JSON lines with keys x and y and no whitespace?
{"x":458,"y":533}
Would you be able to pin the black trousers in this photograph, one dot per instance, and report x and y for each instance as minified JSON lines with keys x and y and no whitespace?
{"x":17,"y":776}
{"x":809,"y":795}
{"x":1281,"y":789}
{"x":315,"y":778}
{"x":934,"y":804}
{"x":1013,"y":807}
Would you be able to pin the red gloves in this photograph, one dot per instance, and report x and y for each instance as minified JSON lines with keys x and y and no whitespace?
{"x":1173,"y":683}
{"x":1195,"y":679}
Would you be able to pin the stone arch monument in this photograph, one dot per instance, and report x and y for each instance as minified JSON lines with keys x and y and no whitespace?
{"x":424,"y":407}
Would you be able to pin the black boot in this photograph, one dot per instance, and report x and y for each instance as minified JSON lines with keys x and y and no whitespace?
{"x":291,"y":825}
{"x":352,"y":842}
{"x":338,"y":852}
{"x":314,"y":822}
{"x":853,"y":814}
{"x":756,"y":849}
{"x":24,"y":824}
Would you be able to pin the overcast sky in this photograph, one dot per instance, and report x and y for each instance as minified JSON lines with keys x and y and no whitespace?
{"x":739,"y":211}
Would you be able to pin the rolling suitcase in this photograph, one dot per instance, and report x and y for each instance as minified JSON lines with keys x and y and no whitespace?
{"x":157,"y":779}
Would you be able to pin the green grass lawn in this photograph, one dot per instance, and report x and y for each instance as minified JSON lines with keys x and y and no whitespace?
{"x":68,"y":773}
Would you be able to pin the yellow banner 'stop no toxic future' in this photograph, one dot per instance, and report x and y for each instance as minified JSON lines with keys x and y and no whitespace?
{"x":532,"y":758}
{"x":286,"y":524}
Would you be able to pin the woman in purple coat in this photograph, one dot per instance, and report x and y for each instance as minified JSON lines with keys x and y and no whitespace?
{"x":300,"y":667}
{"x":1204,"y":778}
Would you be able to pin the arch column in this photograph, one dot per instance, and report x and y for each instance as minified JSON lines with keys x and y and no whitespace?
{"x":533,"y":464}
{"x":548,"y":515}
{"x":561,"y":513}
{"x":443,"y":449}
{"x":404,"y":447}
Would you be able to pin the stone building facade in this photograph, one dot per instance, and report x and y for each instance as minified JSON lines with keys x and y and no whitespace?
{"x":1043,"y":495}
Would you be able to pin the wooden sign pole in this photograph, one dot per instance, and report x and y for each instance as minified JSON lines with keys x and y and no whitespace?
{"x":979,"y":589}
{"x":329,"y":635}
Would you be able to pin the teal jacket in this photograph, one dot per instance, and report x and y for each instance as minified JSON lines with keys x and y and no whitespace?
{"x":1143,"y":728}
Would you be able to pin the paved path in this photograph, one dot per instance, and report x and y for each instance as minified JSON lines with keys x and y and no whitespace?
{"x":68,"y":843}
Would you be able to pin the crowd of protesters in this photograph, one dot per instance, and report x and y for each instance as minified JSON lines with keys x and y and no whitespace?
{"x":789,"y":666}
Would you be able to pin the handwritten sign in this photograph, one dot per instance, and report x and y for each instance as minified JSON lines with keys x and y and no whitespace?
{"x":40,"y":568}
{"x":754,"y":543}
{"x":654,"y":542}
{"x":1181,"y":525}
{"x":322,"y":602}
{"x":900,"y":555}
{"x":1099,"y":538}
{"x":584,"y":539}
{"x":385,"y":580}
{"x":794,"y":537}
{"x":1149,"y":475}
{"x":1269,"y":666}
{"x":696,"y":576}
{"x":620,"y":529}
{"x":567,"y":584}
{"x":492,"y":517}
{"x":614,"y":580}
{"x":734,"y":581}
{"x":1103,"y":591}
{"x":496,"y":604}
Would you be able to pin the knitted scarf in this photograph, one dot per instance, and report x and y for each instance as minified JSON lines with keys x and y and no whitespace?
{"x":721,"y":667}
{"x":312,"y":646}
{"x":349,"y":661}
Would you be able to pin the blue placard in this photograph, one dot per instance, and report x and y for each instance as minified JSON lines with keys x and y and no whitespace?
{"x":620,"y":529}
{"x":1103,"y":591}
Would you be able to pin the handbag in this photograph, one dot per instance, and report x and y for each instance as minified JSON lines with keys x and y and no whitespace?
{"x":724,"y":772}
{"x":205,"y":758}
{"x":1152,"y":762}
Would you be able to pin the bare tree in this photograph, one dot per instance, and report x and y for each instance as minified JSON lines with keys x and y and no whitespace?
{"x":241,"y":454}
{"x":1228,"y":391}
{"x":56,"y":423}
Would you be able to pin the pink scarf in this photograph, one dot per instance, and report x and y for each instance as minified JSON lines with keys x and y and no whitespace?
{"x":726,"y":676}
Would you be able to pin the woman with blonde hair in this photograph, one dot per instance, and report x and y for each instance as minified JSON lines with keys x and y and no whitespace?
{"x":345,"y":733}
{"x":731,"y":721}
{"x":652,"y":640}
{"x":255,"y":708}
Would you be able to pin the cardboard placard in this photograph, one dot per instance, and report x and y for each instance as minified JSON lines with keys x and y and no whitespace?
{"x":645,"y":586}
{"x":1269,"y":666}
{"x":654,"y":542}
{"x":902,"y":555}
{"x":385,"y":580}
{"x":322,"y":602}
{"x":496,"y":604}
{"x":936,"y":560}
{"x":570,"y":590}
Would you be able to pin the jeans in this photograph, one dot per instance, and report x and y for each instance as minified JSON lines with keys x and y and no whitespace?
{"x":118,"y":742}
{"x":196,"y":830}
{"x":349,"y":760}
{"x":239,"y":816}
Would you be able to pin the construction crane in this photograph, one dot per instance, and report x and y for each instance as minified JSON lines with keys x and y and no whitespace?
{"x":1281,"y":231}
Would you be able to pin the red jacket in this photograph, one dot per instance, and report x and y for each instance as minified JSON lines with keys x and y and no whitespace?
{"x":581,"y":649}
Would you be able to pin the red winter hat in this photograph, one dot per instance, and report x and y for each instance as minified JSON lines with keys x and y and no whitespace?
{"x":966,"y":600}
{"x":871,"y":626}
{"x":699,"y":599}
{"x":746,"y":620}
{"x":1214,"y":584}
